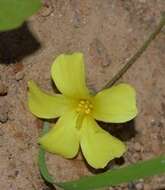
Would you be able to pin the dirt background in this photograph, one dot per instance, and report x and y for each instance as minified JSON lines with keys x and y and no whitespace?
{"x":108,"y":32}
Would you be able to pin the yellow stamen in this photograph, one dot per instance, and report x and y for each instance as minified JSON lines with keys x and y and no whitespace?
{"x":87,"y":102}
{"x":87,"y":111}
{"x":82,"y":102}
{"x":80,"y":105}
{"x":84,"y":106}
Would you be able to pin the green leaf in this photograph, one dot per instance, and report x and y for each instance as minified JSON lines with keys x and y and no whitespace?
{"x":14,"y":12}
{"x":118,"y":176}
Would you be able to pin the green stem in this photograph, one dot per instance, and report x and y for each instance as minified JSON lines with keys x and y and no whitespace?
{"x":41,"y":159}
{"x":137,"y":54}
{"x":115,"y":177}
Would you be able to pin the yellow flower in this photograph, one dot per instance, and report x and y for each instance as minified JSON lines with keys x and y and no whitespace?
{"x":78,"y":109}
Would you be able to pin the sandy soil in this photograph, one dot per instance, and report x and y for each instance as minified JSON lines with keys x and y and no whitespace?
{"x":108,"y":32}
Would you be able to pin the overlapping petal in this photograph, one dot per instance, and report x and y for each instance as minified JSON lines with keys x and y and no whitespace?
{"x":44,"y":105}
{"x":97,"y":145}
{"x":116,"y":104}
{"x":63,"y":138}
{"x":68,"y":74}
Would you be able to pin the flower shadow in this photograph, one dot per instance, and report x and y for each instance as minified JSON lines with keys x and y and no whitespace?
{"x":123,"y":131}
{"x":17,"y":44}
{"x":54,"y":87}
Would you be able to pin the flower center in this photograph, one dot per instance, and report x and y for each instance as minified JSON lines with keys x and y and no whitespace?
{"x":84,"y":106}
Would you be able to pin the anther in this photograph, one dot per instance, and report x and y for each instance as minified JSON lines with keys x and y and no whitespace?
{"x":80,"y":105}
{"x":87,"y":111}
{"x":86,"y":106}
{"x":87,"y":102}
{"x":82,"y":102}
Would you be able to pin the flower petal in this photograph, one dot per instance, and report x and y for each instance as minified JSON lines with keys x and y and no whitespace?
{"x":116,"y":104}
{"x":98,"y":146}
{"x":44,"y":105}
{"x":63,"y":138}
{"x":69,"y":75}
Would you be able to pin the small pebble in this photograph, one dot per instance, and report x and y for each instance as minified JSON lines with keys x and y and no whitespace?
{"x":47,"y":8}
{"x":135,"y":157}
{"x":17,"y":67}
{"x":131,"y":186}
{"x":1,"y":132}
{"x":141,"y":180}
{"x":3,"y":117}
{"x":3,"y":112}
{"x":156,"y":147}
{"x":19,"y":76}
{"x":142,"y":1}
{"x":3,"y":89}
{"x":139,"y":186}
{"x":147,"y":187}
{"x":137,"y":146}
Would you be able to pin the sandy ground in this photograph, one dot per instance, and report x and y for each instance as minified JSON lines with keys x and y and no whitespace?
{"x":108,"y":32}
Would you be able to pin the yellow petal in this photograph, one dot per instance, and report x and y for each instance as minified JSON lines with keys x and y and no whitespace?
{"x":44,"y":105}
{"x":98,"y":146}
{"x":63,"y":138}
{"x":69,"y":75}
{"x":116,"y":104}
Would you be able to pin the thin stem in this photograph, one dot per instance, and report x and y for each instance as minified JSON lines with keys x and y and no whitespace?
{"x":138,"y":53}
